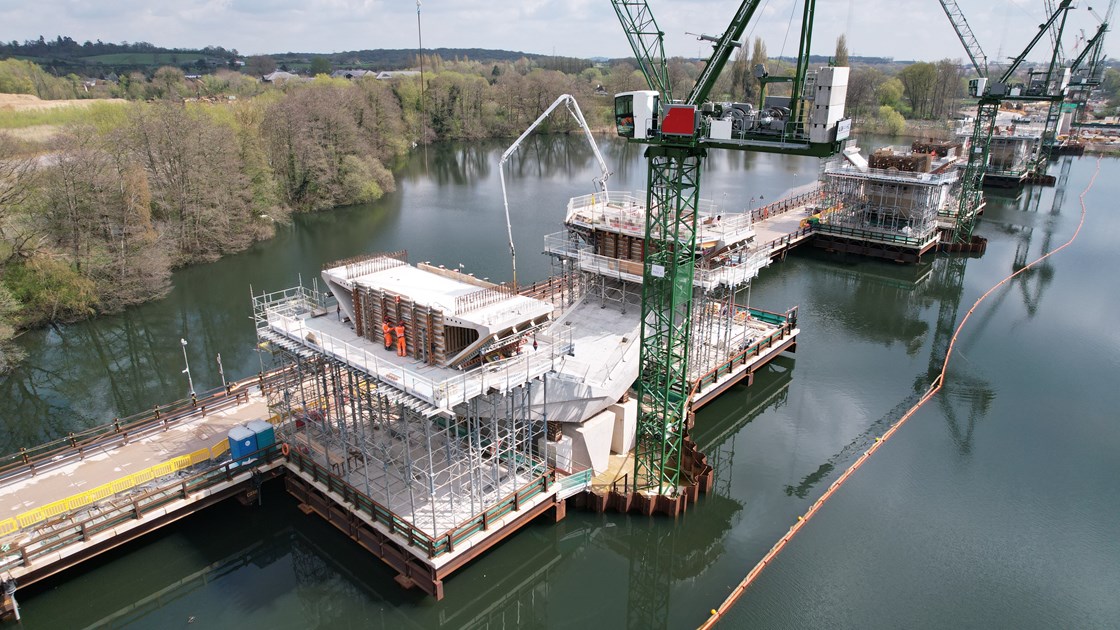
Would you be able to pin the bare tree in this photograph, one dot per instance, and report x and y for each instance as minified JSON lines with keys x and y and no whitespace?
{"x":259,"y":65}
{"x":841,"y":56}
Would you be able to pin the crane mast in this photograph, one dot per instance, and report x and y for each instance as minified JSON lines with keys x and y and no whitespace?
{"x":967,"y":37}
{"x":1040,"y":86}
{"x":647,"y":41}
{"x":679,"y":135}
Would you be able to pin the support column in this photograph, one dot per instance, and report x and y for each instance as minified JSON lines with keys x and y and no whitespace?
{"x":672,"y":200}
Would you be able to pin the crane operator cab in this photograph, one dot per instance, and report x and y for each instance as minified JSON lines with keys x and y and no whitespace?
{"x":635,"y":114}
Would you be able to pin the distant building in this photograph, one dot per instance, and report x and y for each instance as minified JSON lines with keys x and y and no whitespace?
{"x":351,"y":74}
{"x":279,"y":76}
{"x":396,"y":74}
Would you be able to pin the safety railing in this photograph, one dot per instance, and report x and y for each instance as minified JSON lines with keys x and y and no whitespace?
{"x":573,"y":484}
{"x":612,"y":267}
{"x":786,"y":323}
{"x":786,"y":134}
{"x":431,"y":546}
{"x":30,"y":460}
{"x":446,"y":543}
{"x":60,"y":531}
{"x":443,"y":393}
{"x":627,"y":212}
{"x":736,"y":270}
{"x":785,"y":242}
{"x":783,"y":206}
{"x":292,"y":302}
{"x":560,"y":244}
{"x":115,"y":487}
{"x":77,"y":501}
{"x":846,"y":169}
{"x":914,"y":239}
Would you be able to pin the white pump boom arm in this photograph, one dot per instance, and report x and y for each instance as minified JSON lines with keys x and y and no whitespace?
{"x":601,"y":182}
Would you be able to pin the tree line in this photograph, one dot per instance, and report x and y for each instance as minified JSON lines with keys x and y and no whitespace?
{"x":96,"y":218}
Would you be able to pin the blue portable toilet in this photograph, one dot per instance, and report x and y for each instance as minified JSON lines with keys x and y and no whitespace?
{"x":266,"y":435}
{"x":242,"y":442}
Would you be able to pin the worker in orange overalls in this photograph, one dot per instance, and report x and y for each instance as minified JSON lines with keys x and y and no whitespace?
{"x":387,"y":328}
{"x":401,"y":344}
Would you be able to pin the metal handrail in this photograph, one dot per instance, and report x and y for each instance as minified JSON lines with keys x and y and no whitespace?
{"x":129,"y":508}
{"x":61,"y":450}
{"x":443,"y":393}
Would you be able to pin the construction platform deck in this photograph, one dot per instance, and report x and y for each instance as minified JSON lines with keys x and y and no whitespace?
{"x":67,"y":501}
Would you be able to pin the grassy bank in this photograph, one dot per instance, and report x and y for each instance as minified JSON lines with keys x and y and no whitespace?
{"x":100,"y":113}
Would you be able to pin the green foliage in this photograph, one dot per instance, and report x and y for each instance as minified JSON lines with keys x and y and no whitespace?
{"x":890,"y":93}
{"x":319,"y":65}
{"x":167,"y":83}
{"x":359,"y":182}
{"x":1110,"y":89}
{"x":18,"y":76}
{"x":49,"y":290}
{"x":259,"y":65}
{"x":932,"y":88}
{"x":10,"y":354}
{"x":841,"y":56}
{"x":889,"y":121}
{"x":135,"y":189}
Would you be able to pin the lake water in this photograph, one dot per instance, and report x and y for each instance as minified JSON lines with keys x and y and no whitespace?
{"x":996,"y":506}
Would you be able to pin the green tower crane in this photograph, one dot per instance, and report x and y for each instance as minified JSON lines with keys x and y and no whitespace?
{"x":1045,"y":85}
{"x":679,"y":135}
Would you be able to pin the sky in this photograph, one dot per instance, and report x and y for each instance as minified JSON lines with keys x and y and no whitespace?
{"x":900,"y":29}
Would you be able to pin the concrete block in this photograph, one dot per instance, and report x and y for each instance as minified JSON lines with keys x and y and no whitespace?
{"x":821,"y":133}
{"x":833,"y":75}
{"x":625,"y":426}
{"x":559,"y":452}
{"x":591,"y":442}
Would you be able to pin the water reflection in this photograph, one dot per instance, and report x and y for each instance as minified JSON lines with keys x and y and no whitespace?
{"x":1020,"y":215}
{"x":662,"y":554}
{"x":282,"y":570}
{"x":463,"y":165}
{"x":722,"y":420}
{"x":877,"y":302}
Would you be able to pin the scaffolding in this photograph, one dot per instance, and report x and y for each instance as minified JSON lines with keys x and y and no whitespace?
{"x":603,"y":247}
{"x":431,"y":469}
{"x":891,"y":205}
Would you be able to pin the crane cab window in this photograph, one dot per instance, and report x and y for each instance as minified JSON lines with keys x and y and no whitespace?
{"x":624,"y":115}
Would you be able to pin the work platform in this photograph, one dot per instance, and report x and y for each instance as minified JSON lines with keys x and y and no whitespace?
{"x":73,"y":500}
{"x":67,"y":501}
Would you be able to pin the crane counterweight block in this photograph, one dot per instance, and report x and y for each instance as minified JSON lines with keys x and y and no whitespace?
{"x":680,"y":120}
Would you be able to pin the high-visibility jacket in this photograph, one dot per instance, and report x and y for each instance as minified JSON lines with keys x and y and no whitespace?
{"x":401,"y":343}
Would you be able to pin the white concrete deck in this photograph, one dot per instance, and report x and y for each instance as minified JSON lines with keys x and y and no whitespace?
{"x":626,"y":214}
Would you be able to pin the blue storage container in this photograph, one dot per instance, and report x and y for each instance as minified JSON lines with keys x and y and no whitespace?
{"x":266,"y":435}
{"x":242,"y":442}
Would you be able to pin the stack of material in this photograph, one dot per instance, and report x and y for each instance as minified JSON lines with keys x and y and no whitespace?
{"x":886,"y":158}
{"x":940,"y":148}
